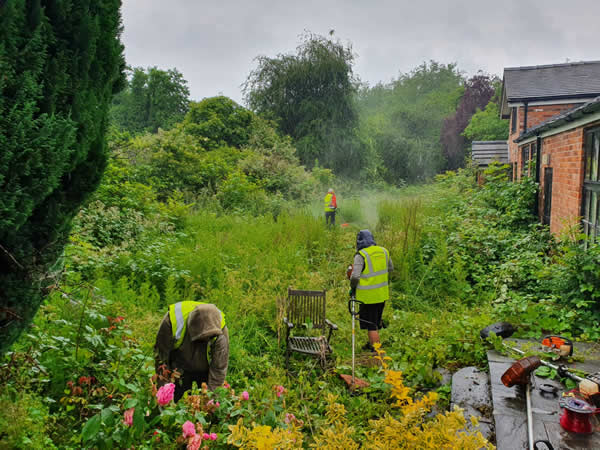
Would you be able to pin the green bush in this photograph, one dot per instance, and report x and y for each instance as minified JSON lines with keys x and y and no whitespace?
{"x":60,"y":63}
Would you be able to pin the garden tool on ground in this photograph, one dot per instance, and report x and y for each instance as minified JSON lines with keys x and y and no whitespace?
{"x":353,"y":382}
{"x":520,"y":374}
{"x":559,"y":345}
{"x":505,"y":329}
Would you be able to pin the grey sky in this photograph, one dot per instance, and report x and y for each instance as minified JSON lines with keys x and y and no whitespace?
{"x":214,"y":43}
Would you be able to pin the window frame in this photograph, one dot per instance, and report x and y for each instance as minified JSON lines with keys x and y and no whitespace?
{"x":528,"y":159}
{"x":590,"y":200}
{"x":513,"y":119}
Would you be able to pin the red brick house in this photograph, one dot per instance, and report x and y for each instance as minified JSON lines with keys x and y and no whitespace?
{"x":554,"y":114}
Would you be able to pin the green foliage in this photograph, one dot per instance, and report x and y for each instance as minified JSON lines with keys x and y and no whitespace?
{"x":310,"y":96}
{"x":24,"y":420}
{"x":152,"y":99}
{"x":487,"y":125}
{"x":403,"y":120}
{"x":218,"y":122}
{"x":61,"y":62}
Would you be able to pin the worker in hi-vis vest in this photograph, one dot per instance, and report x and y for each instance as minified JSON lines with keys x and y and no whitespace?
{"x":369,"y":284}
{"x":330,"y":207}
{"x":193,"y":340}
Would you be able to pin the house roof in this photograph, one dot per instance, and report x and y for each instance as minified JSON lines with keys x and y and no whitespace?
{"x":563,"y":118}
{"x":553,"y":81}
{"x":576,"y":80}
{"x":484,"y":152}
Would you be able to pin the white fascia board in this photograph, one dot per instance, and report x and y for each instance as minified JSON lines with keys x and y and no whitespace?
{"x":552,"y":102}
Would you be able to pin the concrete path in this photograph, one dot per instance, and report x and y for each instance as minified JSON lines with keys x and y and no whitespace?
{"x":509,"y":407}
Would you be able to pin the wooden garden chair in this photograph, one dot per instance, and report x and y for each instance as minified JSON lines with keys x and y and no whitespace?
{"x":305,"y":310}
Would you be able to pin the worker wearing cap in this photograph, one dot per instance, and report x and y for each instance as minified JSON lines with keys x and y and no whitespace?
{"x":193,"y":339}
{"x":330,"y":207}
{"x":369,"y":284}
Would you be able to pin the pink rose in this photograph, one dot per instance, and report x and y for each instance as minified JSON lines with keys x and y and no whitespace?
{"x":289,"y":418}
{"x":128,"y":417}
{"x":217,"y":404}
{"x":213,"y":436}
{"x":206,"y":436}
{"x":189,"y":430}
{"x":279,"y":390}
{"x":195,"y":442}
{"x":211,"y":402}
{"x":226,"y":385}
{"x":165,"y":394}
{"x":245,"y":395}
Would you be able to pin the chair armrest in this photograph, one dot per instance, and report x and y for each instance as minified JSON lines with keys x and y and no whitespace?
{"x":331,"y":325}
{"x":288,"y":323}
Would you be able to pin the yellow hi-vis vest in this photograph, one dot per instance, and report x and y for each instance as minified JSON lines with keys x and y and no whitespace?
{"x":373,"y":284}
{"x":178,"y":313}
{"x":328,"y":205}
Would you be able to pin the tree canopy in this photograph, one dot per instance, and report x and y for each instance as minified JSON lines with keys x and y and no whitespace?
{"x":487,"y":125}
{"x":309,"y":95}
{"x":152,"y":99}
{"x":402,"y":120}
{"x":61,"y":62}
{"x":479,"y":89}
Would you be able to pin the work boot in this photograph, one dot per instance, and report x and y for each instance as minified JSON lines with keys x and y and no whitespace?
{"x":368,"y":347}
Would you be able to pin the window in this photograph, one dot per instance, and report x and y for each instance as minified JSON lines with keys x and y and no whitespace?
{"x":528,"y":159}
{"x":513,"y":119}
{"x":591,"y":185}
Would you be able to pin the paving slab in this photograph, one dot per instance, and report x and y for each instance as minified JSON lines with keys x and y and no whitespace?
{"x":471,"y":392}
{"x":509,"y":404}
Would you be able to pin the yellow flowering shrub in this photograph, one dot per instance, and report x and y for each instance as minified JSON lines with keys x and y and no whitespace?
{"x":263,"y":437}
{"x":403,"y":427}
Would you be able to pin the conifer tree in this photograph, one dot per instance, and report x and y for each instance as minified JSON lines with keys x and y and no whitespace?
{"x":60,"y":63}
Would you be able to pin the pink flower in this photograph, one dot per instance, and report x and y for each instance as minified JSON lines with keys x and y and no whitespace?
{"x":189,"y":429}
{"x":210,"y":402}
{"x":245,"y":395}
{"x":226,"y":385}
{"x":165,"y":394}
{"x":206,"y":436}
{"x":213,"y":436}
{"x":195,"y":442}
{"x":279,"y":390}
{"x":128,"y":417}
{"x":217,"y":404}
{"x":289,"y":417}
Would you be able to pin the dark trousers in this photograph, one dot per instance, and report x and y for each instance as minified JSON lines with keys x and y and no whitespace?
{"x":185,"y":383}
{"x":330,"y":218}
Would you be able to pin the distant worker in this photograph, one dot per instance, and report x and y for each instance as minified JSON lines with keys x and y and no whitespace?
{"x":369,"y":284}
{"x":188,"y":334}
{"x":330,"y":207}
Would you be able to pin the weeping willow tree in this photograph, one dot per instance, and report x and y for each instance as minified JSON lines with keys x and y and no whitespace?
{"x":61,"y":61}
{"x":310,"y":95}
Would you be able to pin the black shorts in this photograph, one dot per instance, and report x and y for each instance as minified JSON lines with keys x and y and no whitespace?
{"x":370,"y":316}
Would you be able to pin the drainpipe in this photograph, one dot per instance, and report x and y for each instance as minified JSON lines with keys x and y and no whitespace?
{"x":538,"y":159}
{"x":525,"y":117}
{"x":538,"y":168}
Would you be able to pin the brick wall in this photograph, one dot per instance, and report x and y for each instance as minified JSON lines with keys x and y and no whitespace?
{"x":566,"y":157}
{"x":535,"y":116}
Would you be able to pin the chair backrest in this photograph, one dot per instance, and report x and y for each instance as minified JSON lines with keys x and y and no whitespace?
{"x":306,"y":307}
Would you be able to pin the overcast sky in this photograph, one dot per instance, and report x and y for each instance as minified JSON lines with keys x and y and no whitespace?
{"x":214,"y":43}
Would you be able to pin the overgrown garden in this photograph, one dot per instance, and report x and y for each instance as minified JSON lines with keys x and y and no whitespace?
{"x":212,"y":201}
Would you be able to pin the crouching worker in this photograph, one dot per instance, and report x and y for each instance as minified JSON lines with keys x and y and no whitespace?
{"x":193,"y":340}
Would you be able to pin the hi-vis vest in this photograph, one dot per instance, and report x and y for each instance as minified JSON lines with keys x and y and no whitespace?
{"x":328,"y":205}
{"x":178,"y":313}
{"x":373,"y":284}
